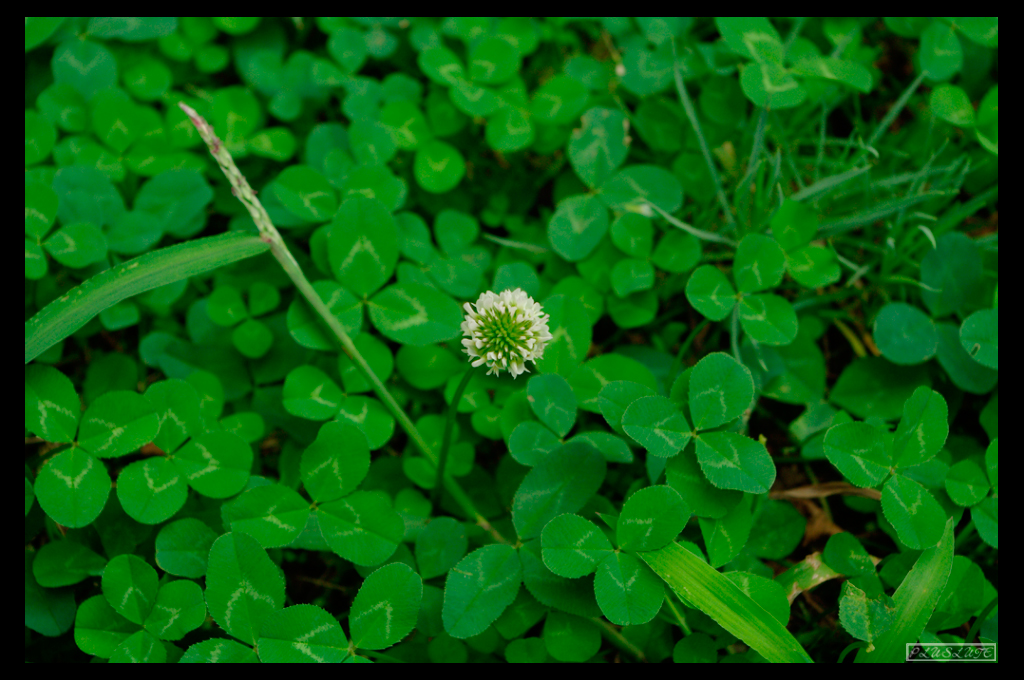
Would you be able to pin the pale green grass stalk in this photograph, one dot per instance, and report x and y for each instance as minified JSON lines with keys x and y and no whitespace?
{"x":691,"y":113}
{"x":269,"y":234}
{"x":894,"y":111}
{"x":693,"y":231}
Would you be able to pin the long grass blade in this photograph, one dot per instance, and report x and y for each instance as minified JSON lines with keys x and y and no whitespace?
{"x":916,"y":599}
{"x":691,"y":113}
{"x":71,"y":311}
{"x":713,"y":593}
{"x":829,"y":183}
{"x":693,"y":231}
{"x":871,"y":214}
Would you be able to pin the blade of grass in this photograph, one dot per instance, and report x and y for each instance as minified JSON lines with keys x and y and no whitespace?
{"x":509,"y":243}
{"x":972,"y":634}
{"x":71,"y":311}
{"x":693,"y":231}
{"x":816,"y":300}
{"x":821,"y":142}
{"x":908,"y":177}
{"x":918,"y":186}
{"x":788,"y":155}
{"x":894,"y":111}
{"x":874,"y":213}
{"x":960,"y":212}
{"x":711,"y":591}
{"x":828,"y":184}
{"x":691,"y":113}
{"x":916,"y":599}
{"x":794,"y":33}
{"x":744,"y":198}
{"x":756,"y":147}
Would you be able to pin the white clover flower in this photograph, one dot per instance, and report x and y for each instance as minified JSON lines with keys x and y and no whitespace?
{"x":505,"y":331}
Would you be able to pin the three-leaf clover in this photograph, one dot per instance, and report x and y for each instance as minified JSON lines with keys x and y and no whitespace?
{"x":759,"y":265}
{"x":718,"y":390}
{"x":867,"y":455}
{"x":226,"y":307}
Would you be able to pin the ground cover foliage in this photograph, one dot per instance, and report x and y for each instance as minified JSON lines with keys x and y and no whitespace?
{"x":766,"y":424}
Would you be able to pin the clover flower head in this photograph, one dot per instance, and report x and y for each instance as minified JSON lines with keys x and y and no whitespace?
{"x":505,"y":331}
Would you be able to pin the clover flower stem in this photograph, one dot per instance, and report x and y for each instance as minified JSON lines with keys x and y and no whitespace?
{"x":269,"y":233}
{"x":449,"y":425}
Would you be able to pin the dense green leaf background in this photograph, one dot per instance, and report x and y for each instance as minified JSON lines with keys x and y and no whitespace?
{"x":766,"y":425}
